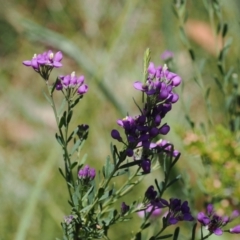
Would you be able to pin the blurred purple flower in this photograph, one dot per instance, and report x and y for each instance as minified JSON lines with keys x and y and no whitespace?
{"x":155,"y":212}
{"x":166,"y":55}
{"x":87,"y":173}
{"x":214,"y":223}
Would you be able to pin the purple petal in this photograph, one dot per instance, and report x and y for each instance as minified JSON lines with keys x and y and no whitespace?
{"x":176,"y":81}
{"x":209,"y":209}
{"x":57,"y":64}
{"x":116,"y":135}
{"x":27,"y":63}
{"x":82,"y":89}
{"x":218,"y":231}
{"x":235,"y":229}
{"x":138,"y":85}
{"x":164,"y":129}
{"x":58,"y":56}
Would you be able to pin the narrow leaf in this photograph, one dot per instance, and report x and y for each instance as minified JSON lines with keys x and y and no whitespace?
{"x":176,"y":233}
{"x":194,"y":231}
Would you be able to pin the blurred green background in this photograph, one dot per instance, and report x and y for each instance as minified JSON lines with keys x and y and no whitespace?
{"x":105,"y":41}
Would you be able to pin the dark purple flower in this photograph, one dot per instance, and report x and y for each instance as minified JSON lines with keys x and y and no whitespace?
{"x":214,"y":223}
{"x":146,"y":165}
{"x":164,"y":129}
{"x":116,"y":135}
{"x":129,"y":152}
{"x":124,"y":208}
{"x":151,"y":194}
{"x":178,"y":211}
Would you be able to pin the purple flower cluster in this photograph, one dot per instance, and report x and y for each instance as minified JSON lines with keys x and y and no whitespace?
{"x":72,"y":82}
{"x":87,"y":173}
{"x":44,"y":63}
{"x":141,"y":130}
{"x":160,"y":83}
{"x":177,"y":211}
{"x":214,"y":223}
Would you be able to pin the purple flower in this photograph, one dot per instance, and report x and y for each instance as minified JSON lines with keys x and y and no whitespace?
{"x":155,"y":212}
{"x":151,"y":194}
{"x":235,"y":229}
{"x":124,"y":208}
{"x":87,"y":173}
{"x":72,"y":82}
{"x":116,"y":135}
{"x":146,"y":165}
{"x":178,"y":211}
{"x":167,"y":55}
{"x":44,"y":63}
{"x":214,"y":223}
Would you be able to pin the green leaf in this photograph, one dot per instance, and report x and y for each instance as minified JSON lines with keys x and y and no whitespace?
{"x":75,"y":146}
{"x":165,"y":236}
{"x":146,"y":225}
{"x":173,"y":181}
{"x":194,"y":231}
{"x":76,"y":102}
{"x":136,"y":162}
{"x":87,"y":193}
{"x":108,"y":168}
{"x":207,"y":93}
{"x":59,"y":139}
{"x":62,"y":121}
{"x":72,"y":135}
{"x":63,"y":104}
{"x":69,"y":117}
{"x":138,"y":236}
{"x":107,"y":194}
{"x":73,"y":165}
{"x":54,"y":86}
{"x":225,"y":29}
{"x":176,"y":233}
{"x":146,"y":61}
{"x":191,"y":52}
{"x":184,"y":38}
{"x":100,"y":192}
{"x":48,"y":98}
{"x":121,"y":172}
{"x":61,"y":172}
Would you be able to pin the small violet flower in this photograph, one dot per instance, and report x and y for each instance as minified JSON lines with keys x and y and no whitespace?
{"x":214,"y":223}
{"x":72,"y":82}
{"x":87,"y":173}
{"x":151,"y":194}
{"x":44,"y":63}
